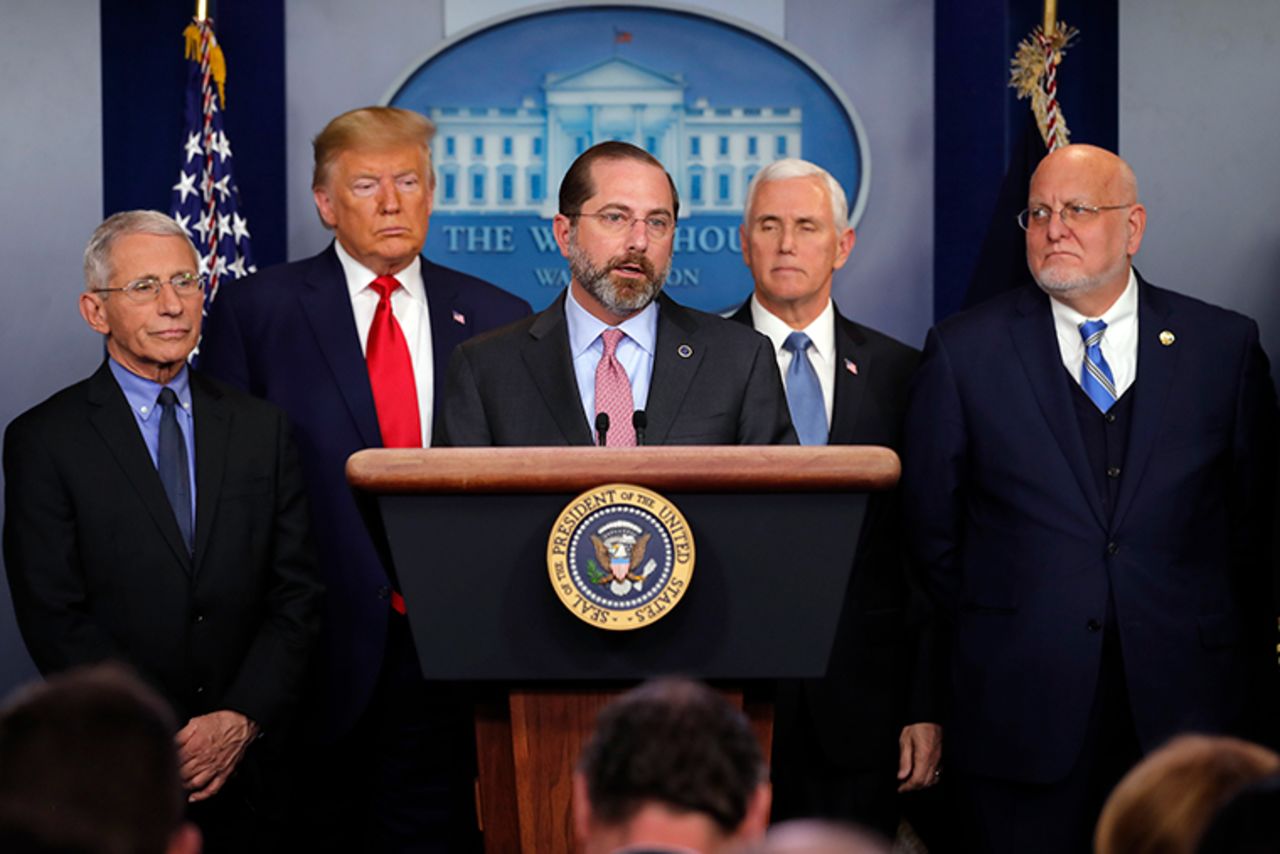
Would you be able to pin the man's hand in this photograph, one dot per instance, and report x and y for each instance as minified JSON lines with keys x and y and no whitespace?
{"x":919,"y":755}
{"x":209,"y":749}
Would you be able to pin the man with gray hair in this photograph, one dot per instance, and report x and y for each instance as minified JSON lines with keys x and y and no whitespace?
{"x":847,"y":741}
{"x":157,"y":517}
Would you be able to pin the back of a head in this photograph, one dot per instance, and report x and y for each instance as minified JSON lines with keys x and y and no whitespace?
{"x":676,"y":743}
{"x":88,"y":764}
{"x":1164,"y":804}
{"x":1248,"y":824}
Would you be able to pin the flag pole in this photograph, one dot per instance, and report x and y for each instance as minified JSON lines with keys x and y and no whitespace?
{"x":202,"y":9}
{"x":1050,"y":15}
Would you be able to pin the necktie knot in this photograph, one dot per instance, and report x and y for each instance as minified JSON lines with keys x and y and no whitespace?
{"x":797,"y":342}
{"x":385,"y":286}
{"x":612,"y":338}
{"x":1091,"y":331}
{"x":167,"y":398}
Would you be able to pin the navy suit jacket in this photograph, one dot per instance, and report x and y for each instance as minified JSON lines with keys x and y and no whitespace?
{"x":99,"y":570}
{"x":878,"y":679}
{"x":288,"y":334}
{"x":1007,"y":519}
{"x":714,"y":383}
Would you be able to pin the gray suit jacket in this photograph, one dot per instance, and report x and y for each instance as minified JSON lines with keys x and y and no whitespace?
{"x":714,"y":383}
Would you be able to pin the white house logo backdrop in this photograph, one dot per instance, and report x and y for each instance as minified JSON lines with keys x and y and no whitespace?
{"x":516,"y":100}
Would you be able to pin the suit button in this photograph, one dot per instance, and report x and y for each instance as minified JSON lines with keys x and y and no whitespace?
{"x":199,"y":689}
{"x":1112,"y":548}
{"x":198,"y":618}
{"x":1093,"y":626}
{"x":384,"y":592}
{"x":1110,"y":417}
{"x":1113,"y":472}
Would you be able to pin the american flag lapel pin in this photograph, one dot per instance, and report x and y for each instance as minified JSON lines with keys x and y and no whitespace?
{"x":459,"y":318}
{"x":851,"y":366}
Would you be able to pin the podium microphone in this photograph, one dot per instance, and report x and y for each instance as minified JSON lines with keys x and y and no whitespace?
{"x":639,"y":421}
{"x":602,"y":427}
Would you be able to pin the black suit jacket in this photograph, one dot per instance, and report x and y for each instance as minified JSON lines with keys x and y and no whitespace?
{"x":1007,"y":518}
{"x":99,"y":570}
{"x":288,"y":335}
{"x":713,"y":383}
{"x":879,"y":675}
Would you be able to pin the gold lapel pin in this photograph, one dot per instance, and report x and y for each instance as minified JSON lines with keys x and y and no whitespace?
{"x":1167,"y":337}
{"x":684,"y":351}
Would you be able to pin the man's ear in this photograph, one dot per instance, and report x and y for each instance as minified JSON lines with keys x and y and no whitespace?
{"x":581,"y":808}
{"x":756,"y":821}
{"x":94,"y":312}
{"x":324,"y":206}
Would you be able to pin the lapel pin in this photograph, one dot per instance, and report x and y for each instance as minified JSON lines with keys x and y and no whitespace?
{"x":1167,"y":337}
{"x":684,"y":351}
{"x":851,"y":366}
{"x":459,"y":318}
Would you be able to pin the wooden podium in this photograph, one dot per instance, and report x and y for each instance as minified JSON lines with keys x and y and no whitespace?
{"x":775,"y":530}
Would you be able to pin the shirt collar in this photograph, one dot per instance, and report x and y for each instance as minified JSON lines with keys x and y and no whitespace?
{"x":585,"y":327}
{"x":360,"y":277}
{"x":821,"y":330}
{"x":141,"y":393}
{"x":1125,"y":307}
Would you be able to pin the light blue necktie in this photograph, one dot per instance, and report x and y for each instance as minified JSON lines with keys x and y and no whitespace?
{"x":171,"y":462}
{"x":804,"y":394}
{"x":1095,"y":373}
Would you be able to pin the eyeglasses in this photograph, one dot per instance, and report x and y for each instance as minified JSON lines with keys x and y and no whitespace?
{"x":616,"y":222}
{"x":1072,"y":214}
{"x":148,"y":289}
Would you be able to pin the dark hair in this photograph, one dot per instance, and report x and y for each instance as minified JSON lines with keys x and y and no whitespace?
{"x":577,"y":185}
{"x":1248,"y":824}
{"x":88,"y":763}
{"x":676,"y":742}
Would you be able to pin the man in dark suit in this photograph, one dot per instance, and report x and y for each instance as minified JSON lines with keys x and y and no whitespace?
{"x":1088,"y":478}
{"x":844,"y":743}
{"x":158,"y":517}
{"x":610,"y":361}
{"x":353,"y":344}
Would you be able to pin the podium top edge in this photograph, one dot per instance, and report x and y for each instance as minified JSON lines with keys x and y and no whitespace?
{"x":754,"y":468}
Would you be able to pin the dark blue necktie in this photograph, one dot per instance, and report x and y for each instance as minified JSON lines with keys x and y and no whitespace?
{"x":804,"y":393}
{"x":1095,"y":373}
{"x":171,"y":462}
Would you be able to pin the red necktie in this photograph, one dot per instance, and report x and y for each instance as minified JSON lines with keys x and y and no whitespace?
{"x":395,"y":395}
{"x":613,"y":392}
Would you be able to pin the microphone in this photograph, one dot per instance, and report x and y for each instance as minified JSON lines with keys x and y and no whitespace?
{"x":639,"y":421}
{"x":602,"y":427}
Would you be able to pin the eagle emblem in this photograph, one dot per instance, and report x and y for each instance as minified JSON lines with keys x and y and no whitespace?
{"x":620,"y":549}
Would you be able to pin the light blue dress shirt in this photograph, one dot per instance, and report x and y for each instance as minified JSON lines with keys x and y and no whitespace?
{"x":635,"y":351}
{"x":141,"y":395}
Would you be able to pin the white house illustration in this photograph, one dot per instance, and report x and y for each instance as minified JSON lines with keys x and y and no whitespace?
{"x":511,"y":160}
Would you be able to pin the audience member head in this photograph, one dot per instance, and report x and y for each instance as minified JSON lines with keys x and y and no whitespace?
{"x":616,"y":228}
{"x":1248,"y":824}
{"x":143,"y":291}
{"x":373,"y":184}
{"x":1084,"y":223}
{"x":88,"y":764}
{"x":1164,"y":804}
{"x":672,"y":763}
{"x":813,"y":836}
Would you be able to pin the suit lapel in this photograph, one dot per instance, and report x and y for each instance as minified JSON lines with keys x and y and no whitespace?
{"x":1157,"y":367}
{"x":546,"y":355}
{"x":1036,"y":343}
{"x":678,"y":353}
{"x":326,"y":303}
{"x":213,"y":430}
{"x":450,"y":325}
{"x":848,"y":405}
{"x":114,"y":422}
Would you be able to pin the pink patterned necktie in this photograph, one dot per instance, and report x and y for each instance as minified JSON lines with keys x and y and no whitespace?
{"x":613,"y":393}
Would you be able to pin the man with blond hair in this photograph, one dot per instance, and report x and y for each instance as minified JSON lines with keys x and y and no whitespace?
{"x":353,"y":344}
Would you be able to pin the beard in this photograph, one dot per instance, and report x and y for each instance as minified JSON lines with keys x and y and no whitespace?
{"x":620,"y":297}
{"x":1063,"y":283}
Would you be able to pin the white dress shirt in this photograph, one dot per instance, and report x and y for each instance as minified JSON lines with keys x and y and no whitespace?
{"x":1119,"y":341}
{"x":822,"y":353}
{"x":409,"y":305}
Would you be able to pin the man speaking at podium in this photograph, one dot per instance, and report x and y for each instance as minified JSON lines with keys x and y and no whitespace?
{"x":612,"y":362}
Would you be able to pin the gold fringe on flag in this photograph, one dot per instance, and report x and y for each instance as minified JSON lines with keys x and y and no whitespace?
{"x":217,"y":64}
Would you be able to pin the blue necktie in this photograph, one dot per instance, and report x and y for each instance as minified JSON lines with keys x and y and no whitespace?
{"x":804,"y":394}
{"x":171,"y":462}
{"x":1095,"y":373}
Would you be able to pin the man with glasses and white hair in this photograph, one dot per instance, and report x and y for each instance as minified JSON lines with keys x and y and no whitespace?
{"x":613,"y":361}
{"x":157,"y":517}
{"x":1088,"y":476}
{"x":847,"y":742}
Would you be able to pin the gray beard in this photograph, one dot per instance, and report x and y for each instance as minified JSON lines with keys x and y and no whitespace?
{"x":1060,"y":285}
{"x":598,"y":281}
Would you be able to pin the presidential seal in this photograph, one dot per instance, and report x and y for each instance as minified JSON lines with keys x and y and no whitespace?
{"x":620,"y":556}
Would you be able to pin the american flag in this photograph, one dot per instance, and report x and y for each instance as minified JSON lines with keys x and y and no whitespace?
{"x":206,"y":201}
